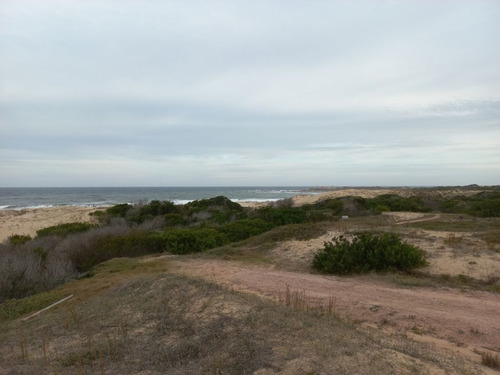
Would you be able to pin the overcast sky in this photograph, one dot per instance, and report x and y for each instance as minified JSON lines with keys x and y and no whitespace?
{"x":272,"y":92}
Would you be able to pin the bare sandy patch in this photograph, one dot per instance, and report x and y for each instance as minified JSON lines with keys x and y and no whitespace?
{"x":457,"y":253}
{"x":468,"y":320}
{"x":372,"y":193}
{"x":28,"y":221}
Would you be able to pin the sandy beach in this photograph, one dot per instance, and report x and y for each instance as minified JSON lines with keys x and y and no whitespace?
{"x":28,"y":221}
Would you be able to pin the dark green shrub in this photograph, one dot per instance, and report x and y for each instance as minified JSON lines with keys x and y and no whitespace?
{"x":283,"y":215}
{"x":392,"y":202}
{"x":335,"y":205}
{"x":151,"y":210}
{"x":157,"y":208}
{"x":184,"y":241}
{"x":220,"y":202}
{"x":174,"y":220}
{"x":134,"y":244}
{"x":119,"y":210}
{"x":300,"y":232}
{"x":19,"y":239}
{"x":243,"y":229}
{"x":485,"y":204}
{"x":64,"y":229}
{"x":218,"y":210}
{"x":367,"y":252}
{"x":316,"y":216}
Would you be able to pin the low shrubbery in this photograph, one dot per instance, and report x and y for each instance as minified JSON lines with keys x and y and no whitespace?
{"x":282,"y":215}
{"x":243,"y":229}
{"x":485,"y":204}
{"x":392,"y":202}
{"x":108,"y":246}
{"x":19,"y":239}
{"x":183,"y":241}
{"x":367,"y":252}
{"x":64,"y":229}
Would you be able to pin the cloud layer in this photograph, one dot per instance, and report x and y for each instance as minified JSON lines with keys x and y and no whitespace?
{"x":162,"y":93}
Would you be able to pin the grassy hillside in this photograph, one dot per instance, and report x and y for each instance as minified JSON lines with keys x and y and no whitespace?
{"x":133,"y":317}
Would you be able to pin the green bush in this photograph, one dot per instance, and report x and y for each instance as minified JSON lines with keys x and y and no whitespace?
{"x":19,"y":239}
{"x":151,"y":210}
{"x":392,"y":202}
{"x":119,"y":210}
{"x":184,"y":241}
{"x":218,"y":210}
{"x":283,"y":215}
{"x":243,"y":229}
{"x":485,"y":204}
{"x":333,"y":204}
{"x":220,"y":202}
{"x":64,"y":229}
{"x":136,"y":243}
{"x":367,"y":252}
{"x":174,"y":220}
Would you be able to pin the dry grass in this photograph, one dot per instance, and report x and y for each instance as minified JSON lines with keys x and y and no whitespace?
{"x":132,"y":317}
{"x":490,"y":360}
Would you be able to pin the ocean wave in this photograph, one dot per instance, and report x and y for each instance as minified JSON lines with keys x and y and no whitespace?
{"x":260,"y":200}
{"x":41,"y":206}
{"x":182,"y":201}
{"x":26,"y":207}
{"x":236,"y":200}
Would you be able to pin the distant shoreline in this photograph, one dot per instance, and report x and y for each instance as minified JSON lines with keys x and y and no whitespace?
{"x":29,"y":220}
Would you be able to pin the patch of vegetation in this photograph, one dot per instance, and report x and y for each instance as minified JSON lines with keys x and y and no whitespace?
{"x":333,"y":204}
{"x":484,"y":204}
{"x":282,"y":215}
{"x":184,"y":241}
{"x":299,"y":232}
{"x":392,"y":202}
{"x":19,"y":239}
{"x":243,"y":229}
{"x":64,"y":229}
{"x":492,"y":239}
{"x":419,"y":279}
{"x":119,"y":210}
{"x":491,"y":360}
{"x":218,"y":203}
{"x":368,"y":252}
{"x":133,"y":244}
{"x":14,"y":308}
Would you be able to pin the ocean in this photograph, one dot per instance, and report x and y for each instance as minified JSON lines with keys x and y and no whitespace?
{"x":19,"y":198}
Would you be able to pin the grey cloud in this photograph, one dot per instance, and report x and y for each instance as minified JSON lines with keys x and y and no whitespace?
{"x":242,"y":91}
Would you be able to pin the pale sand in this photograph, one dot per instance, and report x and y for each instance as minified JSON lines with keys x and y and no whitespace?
{"x":28,"y":221}
{"x":300,"y":200}
{"x":372,"y":193}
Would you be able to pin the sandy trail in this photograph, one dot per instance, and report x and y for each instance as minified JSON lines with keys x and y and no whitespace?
{"x":469,"y":320}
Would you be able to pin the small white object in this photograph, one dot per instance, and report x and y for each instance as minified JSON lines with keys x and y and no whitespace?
{"x":48,"y":307}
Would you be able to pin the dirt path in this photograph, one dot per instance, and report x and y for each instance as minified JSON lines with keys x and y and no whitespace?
{"x":460,"y":321}
{"x":425,"y":218}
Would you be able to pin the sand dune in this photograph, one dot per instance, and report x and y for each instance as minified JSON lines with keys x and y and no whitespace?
{"x":28,"y":221}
